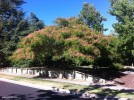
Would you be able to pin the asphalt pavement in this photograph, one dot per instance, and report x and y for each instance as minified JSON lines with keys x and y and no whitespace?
{"x":10,"y":91}
{"x":15,"y":90}
{"x":19,"y":91}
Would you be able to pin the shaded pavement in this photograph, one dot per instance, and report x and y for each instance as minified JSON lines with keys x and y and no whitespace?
{"x":19,"y":92}
{"x":10,"y":91}
{"x":16,"y":91}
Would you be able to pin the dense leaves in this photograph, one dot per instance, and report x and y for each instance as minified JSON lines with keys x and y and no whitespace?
{"x":70,"y":42}
{"x":126,"y":48}
{"x":35,"y":23}
{"x":11,"y":16}
{"x":91,"y":17}
{"x":29,"y":25}
{"x":13,"y":27}
{"x":123,"y":10}
{"x":73,"y":46}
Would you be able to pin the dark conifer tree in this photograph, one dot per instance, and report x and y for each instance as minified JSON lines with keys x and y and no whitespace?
{"x":11,"y":16}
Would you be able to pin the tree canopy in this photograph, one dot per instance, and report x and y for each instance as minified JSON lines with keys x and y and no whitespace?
{"x":73,"y":46}
{"x":29,"y":25}
{"x":11,"y":16}
{"x":70,"y":41}
{"x":91,"y":17}
{"x":123,"y":10}
{"x":13,"y":27}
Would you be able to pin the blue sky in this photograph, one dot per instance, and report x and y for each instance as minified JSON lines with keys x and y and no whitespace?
{"x":49,"y":10}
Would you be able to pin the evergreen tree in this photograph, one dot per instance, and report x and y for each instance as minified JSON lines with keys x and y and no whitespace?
{"x":13,"y":26}
{"x":29,"y":25}
{"x":92,"y":17}
{"x":35,"y":23}
{"x":11,"y":16}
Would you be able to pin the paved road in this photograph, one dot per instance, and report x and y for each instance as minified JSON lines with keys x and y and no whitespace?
{"x":19,"y":92}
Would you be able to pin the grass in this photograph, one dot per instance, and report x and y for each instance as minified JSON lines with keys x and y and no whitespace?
{"x":81,"y":88}
{"x":39,"y":81}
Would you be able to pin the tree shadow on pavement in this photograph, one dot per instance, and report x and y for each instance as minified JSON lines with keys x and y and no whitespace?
{"x":19,"y":97}
{"x":107,"y":74}
{"x":106,"y":92}
{"x":42,"y":95}
{"x":50,"y":95}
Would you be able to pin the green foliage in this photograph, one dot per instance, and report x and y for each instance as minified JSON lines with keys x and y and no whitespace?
{"x":3,"y":60}
{"x":123,"y":10}
{"x":11,"y":17}
{"x":118,"y":66}
{"x":91,"y":17}
{"x":29,"y":25}
{"x":79,"y":34}
{"x":114,"y":50}
{"x":66,"y":35}
{"x":74,"y":45}
{"x":13,"y":26}
{"x":62,"y":22}
{"x":23,"y":63}
{"x":104,"y":59}
{"x":35,"y":23}
{"x":126,"y":48}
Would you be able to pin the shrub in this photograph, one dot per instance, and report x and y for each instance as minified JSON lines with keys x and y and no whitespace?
{"x":118,"y":66}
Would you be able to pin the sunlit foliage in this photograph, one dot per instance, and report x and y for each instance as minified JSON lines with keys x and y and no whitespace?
{"x":74,"y":45}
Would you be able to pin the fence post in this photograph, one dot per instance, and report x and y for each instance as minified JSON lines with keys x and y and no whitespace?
{"x":27,"y":71}
{"x":85,"y":77}
{"x":33,"y":71}
{"x":16,"y":70}
{"x":12,"y":70}
{"x":39,"y":72}
{"x":21,"y":71}
{"x":7,"y":69}
{"x":74,"y":75}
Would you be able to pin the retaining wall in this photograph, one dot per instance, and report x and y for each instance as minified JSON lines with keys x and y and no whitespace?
{"x":69,"y":74}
